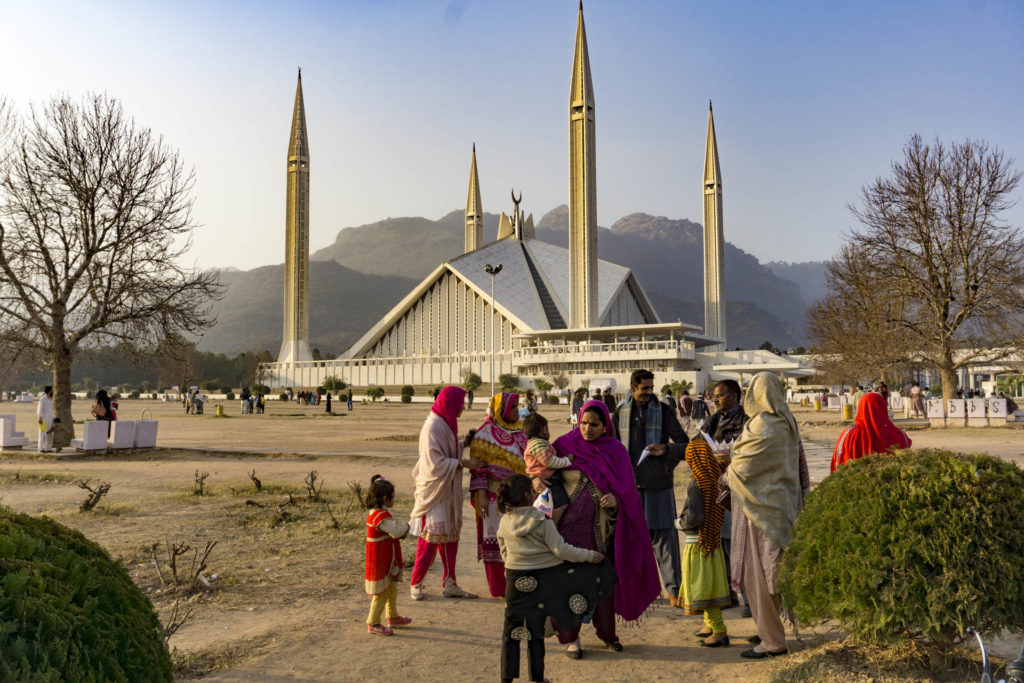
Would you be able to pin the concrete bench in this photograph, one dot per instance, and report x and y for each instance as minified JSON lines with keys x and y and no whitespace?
{"x":145,"y":433}
{"x":94,"y":436}
{"x":9,"y":438}
{"x":122,"y":434}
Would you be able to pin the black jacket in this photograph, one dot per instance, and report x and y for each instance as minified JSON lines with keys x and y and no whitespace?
{"x":655,"y":473}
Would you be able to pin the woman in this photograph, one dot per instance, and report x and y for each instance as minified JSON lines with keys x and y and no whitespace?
{"x":705,"y":585}
{"x":102,"y":409}
{"x":437,"y":499}
{"x":767,"y":479}
{"x":604,"y":514}
{"x":498,"y":446}
{"x":917,"y":400}
{"x":872,"y":432}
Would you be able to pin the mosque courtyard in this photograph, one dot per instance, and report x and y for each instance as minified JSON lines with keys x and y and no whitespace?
{"x":286,"y":601}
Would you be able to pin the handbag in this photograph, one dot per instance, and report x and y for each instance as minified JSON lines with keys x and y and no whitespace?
{"x":693,"y":509}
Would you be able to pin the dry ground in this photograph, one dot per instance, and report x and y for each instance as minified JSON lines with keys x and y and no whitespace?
{"x":288,"y":602}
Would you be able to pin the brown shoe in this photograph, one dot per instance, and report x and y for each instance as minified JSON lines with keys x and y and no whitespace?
{"x":673,"y":601}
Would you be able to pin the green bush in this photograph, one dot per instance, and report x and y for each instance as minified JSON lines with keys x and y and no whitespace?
{"x":406,"y":398}
{"x":553,"y":400}
{"x":408,"y":390}
{"x":471,"y":381}
{"x":68,"y":612}
{"x":260,"y":389}
{"x":283,"y":396}
{"x":332,"y":383}
{"x":508,"y":382}
{"x":436,"y":390}
{"x":375,"y":392}
{"x":915,"y":544}
{"x":230,"y":396}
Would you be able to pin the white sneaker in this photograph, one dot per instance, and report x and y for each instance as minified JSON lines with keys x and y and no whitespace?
{"x":452,"y":590}
{"x":416,"y":592}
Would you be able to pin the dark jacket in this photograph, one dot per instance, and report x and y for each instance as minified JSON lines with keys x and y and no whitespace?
{"x":726,"y":426}
{"x":655,"y":473}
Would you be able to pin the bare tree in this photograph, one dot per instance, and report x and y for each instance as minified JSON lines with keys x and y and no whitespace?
{"x":934,"y":275}
{"x":95,"y":218}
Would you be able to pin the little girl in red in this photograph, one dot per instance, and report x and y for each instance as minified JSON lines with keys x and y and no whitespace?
{"x":383,"y":557}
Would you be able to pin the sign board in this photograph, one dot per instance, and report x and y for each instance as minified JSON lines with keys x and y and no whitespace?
{"x":935,"y":408}
{"x":957,"y":407}
{"x":997,"y":407}
{"x":975,"y":407}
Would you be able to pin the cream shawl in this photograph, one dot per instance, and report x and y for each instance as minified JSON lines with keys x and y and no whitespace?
{"x":437,"y":506}
{"x":764,"y":475}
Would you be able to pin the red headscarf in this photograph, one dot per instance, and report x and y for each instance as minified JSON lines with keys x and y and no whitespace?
{"x":606,"y":462}
{"x":872,"y":432}
{"x":448,"y":404}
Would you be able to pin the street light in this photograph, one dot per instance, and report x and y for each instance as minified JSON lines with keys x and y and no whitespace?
{"x":493,"y":272}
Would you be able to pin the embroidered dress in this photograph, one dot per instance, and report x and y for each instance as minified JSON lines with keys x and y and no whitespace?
{"x":383,"y":554}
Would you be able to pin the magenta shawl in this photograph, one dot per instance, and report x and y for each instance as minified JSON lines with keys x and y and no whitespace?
{"x":448,"y":404}
{"x":606,"y":462}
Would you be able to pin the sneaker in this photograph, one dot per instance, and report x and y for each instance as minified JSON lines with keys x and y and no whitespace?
{"x":452,"y":590}
{"x":399,"y":622}
{"x":416,"y":592}
{"x":379,"y":630}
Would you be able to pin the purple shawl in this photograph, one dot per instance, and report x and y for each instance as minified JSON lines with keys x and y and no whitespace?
{"x":606,"y":462}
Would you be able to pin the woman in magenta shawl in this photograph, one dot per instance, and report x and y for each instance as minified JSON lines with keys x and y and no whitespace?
{"x":437,"y":499}
{"x":601,"y":481}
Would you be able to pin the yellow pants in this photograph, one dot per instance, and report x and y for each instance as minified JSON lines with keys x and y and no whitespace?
{"x":714,"y":621}
{"x":387,"y":598}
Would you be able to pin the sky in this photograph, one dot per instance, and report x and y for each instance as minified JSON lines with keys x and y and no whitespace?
{"x":812,"y":100}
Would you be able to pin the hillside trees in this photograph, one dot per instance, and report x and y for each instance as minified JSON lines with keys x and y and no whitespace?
{"x":95,"y":218}
{"x":934,"y":274}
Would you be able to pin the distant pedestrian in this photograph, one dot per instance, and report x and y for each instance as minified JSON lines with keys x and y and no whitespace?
{"x":917,"y":399}
{"x":44,"y":411}
{"x":328,"y":411}
{"x":608,"y":399}
{"x":350,"y":399}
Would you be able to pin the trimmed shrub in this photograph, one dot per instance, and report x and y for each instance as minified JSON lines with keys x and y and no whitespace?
{"x":283,"y":396}
{"x":230,"y":396}
{"x":260,"y":389}
{"x":406,"y":398}
{"x":436,"y":390}
{"x":408,"y":390}
{"x":68,"y":612}
{"x":508,"y":382}
{"x":333,"y":383}
{"x":553,"y":400}
{"x":375,"y":392}
{"x":915,"y":544}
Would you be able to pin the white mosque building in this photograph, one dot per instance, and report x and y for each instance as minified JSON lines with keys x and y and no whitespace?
{"x":520,"y":305}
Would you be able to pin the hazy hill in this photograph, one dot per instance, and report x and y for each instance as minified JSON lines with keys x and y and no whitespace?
{"x":808,"y":275}
{"x":344,"y":304}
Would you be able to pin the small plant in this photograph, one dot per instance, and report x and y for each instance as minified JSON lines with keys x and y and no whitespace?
{"x":230,"y":396}
{"x":175,"y":620}
{"x":436,"y":390}
{"x":553,"y":399}
{"x":408,"y":390}
{"x":199,"y":483}
{"x":375,"y":392}
{"x":190,"y":581}
{"x":508,"y":382}
{"x":95,"y":494}
{"x":283,"y":396}
{"x":312,"y":490}
{"x":909,"y":546}
{"x":332,"y":383}
{"x":255,"y":481}
{"x":406,"y":398}
{"x":471,"y":381}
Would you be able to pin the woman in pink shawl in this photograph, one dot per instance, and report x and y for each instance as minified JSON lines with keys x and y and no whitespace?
{"x":437,"y":507}
{"x":600,"y":482}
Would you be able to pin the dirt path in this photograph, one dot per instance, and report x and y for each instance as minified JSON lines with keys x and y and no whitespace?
{"x":288,"y":602}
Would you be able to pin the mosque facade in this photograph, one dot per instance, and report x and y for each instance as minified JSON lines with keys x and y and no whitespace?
{"x":526,"y":307}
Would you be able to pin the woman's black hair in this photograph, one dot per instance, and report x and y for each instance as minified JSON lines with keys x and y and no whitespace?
{"x":381,"y":490}
{"x":516,"y":492}
{"x":597,"y":411}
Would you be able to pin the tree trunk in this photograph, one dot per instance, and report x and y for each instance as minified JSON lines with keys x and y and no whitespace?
{"x":948,"y":373}
{"x":62,"y":396}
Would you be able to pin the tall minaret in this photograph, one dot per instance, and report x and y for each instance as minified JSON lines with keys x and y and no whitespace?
{"x":295,"y":343}
{"x":582,"y":188}
{"x":714,"y":242}
{"x":474,"y":210}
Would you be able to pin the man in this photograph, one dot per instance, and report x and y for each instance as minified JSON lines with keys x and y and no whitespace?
{"x":669,"y":399}
{"x":578,"y":399}
{"x":726,"y":425}
{"x":44,"y":411}
{"x":643,"y":422}
{"x":350,"y":399}
{"x":609,"y":400}
{"x":685,"y":410}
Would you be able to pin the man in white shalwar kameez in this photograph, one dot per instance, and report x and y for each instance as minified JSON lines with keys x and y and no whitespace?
{"x":44,"y":411}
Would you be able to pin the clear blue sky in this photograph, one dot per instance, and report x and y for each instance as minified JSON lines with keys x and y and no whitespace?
{"x":812,"y":100}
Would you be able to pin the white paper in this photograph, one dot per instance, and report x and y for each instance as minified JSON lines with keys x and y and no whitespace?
{"x":643,"y":456}
{"x":717,"y":446}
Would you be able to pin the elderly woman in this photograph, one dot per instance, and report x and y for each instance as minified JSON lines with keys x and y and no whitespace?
{"x":437,"y":508}
{"x":872,"y":432}
{"x":498,"y":448}
{"x":767,"y":479}
{"x":604,"y":514}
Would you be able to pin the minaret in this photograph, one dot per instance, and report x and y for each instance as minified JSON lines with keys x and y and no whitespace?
{"x":582,"y":188}
{"x":474,"y":210}
{"x":714,"y":242}
{"x":295,"y":342}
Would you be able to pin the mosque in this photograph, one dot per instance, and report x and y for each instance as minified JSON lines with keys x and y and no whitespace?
{"x":519,"y":305}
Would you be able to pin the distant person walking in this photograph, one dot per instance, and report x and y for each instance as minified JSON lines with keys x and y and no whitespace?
{"x":917,"y":400}
{"x":102,"y":410}
{"x":44,"y":411}
{"x":350,"y":399}
{"x":872,"y":432}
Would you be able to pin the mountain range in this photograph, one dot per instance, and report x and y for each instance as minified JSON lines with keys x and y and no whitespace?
{"x":368,"y":269}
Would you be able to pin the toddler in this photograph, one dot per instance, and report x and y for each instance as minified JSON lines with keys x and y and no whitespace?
{"x":543,"y":462}
{"x":383,"y":557}
{"x":542,"y":578}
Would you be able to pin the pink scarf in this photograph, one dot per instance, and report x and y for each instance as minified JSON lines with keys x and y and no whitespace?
{"x":606,"y":462}
{"x":448,"y":404}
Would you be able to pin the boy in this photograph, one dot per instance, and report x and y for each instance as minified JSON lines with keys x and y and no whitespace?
{"x":542,"y":462}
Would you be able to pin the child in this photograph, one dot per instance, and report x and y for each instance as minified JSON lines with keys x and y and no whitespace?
{"x":383,"y":556}
{"x":541,"y":579}
{"x":542,"y":461}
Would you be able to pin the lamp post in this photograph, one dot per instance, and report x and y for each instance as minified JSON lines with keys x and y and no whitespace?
{"x":493,"y":272}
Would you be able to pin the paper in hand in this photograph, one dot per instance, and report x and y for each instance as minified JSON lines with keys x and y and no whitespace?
{"x":643,"y":456}
{"x":717,"y":446}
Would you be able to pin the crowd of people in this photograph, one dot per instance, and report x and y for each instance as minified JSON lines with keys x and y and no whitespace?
{"x":598,"y":505}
